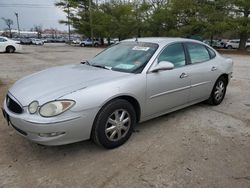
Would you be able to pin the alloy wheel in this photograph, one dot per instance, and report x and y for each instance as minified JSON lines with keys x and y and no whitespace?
{"x":219,"y":91}
{"x":117,"y":125}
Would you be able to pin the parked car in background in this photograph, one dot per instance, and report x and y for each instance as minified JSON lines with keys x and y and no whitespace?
{"x":44,"y":40}
{"x":25,"y":41}
{"x":105,"y":97}
{"x":49,"y":40}
{"x":88,"y":42}
{"x":235,"y":43}
{"x":215,"y":43}
{"x":60,"y":40}
{"x":9,"y":46}
{"x":76,"y":41}
{"x":112,"y":41}
{"x":248,"y":44}
{"x":37,"y":41}
{"x":18,"y":40}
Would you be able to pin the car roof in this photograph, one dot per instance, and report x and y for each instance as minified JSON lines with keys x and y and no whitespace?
{"x":161,"y":40}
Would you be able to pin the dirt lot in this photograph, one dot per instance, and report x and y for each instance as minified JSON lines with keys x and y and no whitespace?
{"x":200,"y":146}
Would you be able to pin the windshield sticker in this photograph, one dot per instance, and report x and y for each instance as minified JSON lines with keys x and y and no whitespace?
{"x":124,"y":66}
{"x":141,"y":48}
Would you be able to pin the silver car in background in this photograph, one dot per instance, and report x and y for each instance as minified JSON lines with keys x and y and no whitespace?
{"x":105,"y":97}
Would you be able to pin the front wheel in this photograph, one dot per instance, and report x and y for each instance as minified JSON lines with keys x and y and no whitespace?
{"x":114,"y":124}
{"x":218,"y":92}
{"x":10,"y":49}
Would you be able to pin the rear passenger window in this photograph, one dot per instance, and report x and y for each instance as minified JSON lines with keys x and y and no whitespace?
{"x":198,"y":53}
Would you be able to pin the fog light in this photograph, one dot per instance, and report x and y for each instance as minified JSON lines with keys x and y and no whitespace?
{"x":51,"y":134}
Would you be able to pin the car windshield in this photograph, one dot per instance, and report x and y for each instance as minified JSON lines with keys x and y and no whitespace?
{"x":129,"y":57}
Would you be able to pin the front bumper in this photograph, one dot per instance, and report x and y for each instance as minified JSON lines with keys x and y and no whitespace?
{"x":74,"y":128}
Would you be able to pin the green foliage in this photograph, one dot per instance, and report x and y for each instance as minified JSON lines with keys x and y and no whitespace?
{"x":240,"y":19}
{"x":138,"y":18}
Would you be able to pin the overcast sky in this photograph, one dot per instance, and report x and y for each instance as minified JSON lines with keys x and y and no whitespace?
{"x":32,"y":12}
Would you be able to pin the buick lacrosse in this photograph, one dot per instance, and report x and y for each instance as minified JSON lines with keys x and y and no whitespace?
{"x":105,"y":97}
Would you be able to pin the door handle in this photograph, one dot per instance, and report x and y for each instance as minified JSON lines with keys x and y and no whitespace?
{"x":213,"y":69}
{"x":183,"y":75}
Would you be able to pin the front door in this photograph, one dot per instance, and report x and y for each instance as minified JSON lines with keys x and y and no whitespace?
{"x":170,"y":88}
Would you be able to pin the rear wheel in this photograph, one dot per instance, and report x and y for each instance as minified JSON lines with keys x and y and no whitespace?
{"x":10,"y":49}
{"x":82,"y":45}
{"x":229,"y":47}
{"x":114,"y":124}
{"x":218,"y":92}
{"x":248,"y":48}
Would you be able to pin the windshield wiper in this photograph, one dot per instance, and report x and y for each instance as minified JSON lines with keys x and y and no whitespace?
{"x":101,"y":66}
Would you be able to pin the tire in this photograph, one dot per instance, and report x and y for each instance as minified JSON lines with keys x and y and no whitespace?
{"x":218,"y":92}
{"x":248,"y":48}
{"x":82,"y":45}
{"x":96,"y":45}
{"x":10,"y":49}
{"x":229,"y":47}
{"x":109,"y":133}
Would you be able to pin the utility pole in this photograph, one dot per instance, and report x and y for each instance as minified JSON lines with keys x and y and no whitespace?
{"x":68,"y":12}
{"x":18,"y":27}
{"x":91,"y":22}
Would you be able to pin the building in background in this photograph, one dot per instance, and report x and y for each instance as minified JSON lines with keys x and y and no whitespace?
{"x":15,"y":34}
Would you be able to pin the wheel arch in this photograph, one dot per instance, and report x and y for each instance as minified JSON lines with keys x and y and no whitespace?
{"x":132,"y":100}
{"x":224,"y":75}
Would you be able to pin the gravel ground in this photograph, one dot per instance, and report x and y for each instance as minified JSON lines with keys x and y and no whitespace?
{"x":200,"y":146}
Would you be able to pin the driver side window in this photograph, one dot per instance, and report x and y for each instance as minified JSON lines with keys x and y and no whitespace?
{"x":2,"y":40}
{"x":174,"y":54}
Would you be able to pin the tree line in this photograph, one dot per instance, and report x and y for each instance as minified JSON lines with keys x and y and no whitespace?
{"x":141,"y":18}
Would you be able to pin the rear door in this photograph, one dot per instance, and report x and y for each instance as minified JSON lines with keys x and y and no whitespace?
{"x":202,"y":70}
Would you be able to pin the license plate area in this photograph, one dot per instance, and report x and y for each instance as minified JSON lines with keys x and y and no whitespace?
{"x":7,"y":117}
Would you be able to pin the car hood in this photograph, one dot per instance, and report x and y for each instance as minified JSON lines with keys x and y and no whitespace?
{"x":56,"y":82}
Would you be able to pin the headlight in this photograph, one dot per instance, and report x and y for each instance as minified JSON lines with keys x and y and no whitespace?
{"x":55,"y":108}
{"x":33,"y":106}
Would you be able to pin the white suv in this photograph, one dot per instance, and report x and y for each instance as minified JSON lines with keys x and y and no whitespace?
{"x":234,"y":44}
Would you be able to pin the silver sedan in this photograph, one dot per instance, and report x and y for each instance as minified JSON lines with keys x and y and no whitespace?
{"x":105,"y":97}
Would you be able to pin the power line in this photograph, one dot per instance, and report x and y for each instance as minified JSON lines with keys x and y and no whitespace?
{"x":27,"y":5}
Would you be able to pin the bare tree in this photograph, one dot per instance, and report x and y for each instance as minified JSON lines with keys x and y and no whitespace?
{"x":8,"y":22}
{"x":38,"y":29}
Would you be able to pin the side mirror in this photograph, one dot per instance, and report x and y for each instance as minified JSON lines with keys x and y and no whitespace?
{"x":85,"y":62}
{"x":163,"y":65}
